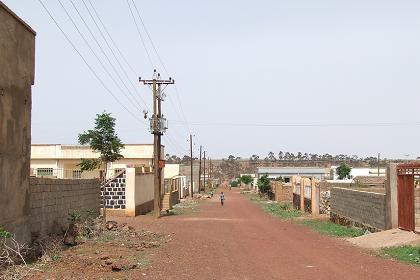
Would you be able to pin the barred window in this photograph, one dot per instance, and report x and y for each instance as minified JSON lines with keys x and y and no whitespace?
{"x":41,"y":172}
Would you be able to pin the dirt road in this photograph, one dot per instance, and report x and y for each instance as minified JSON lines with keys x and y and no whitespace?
{"x":240,"y":241}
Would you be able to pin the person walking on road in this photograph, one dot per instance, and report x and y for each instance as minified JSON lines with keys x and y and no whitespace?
{"x":222,"y":198}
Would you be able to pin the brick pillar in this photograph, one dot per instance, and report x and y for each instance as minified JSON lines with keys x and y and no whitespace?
{"x":314,"y":198}
{"x":302,"y":195}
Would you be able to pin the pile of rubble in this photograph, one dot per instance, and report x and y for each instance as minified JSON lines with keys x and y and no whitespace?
{"x":202,"y":196}
{"x":324,"y":203}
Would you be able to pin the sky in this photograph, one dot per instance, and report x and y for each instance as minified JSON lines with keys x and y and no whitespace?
{"x":251,"y":77}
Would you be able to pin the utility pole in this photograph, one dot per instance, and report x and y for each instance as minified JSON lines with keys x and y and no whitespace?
{"x":192,"y":180}
{"x":204,"y":179}
{"x":158,"y":126}
{"x":209,"y":172}
{"x":379,"y":160}
{"x":199,"y":172}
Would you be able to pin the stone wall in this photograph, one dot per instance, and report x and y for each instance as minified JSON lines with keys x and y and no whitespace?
{"x":114,"y":192}
{"x":359,"y":208}
{"x":53,"y":199}
{"x":17,"y":68}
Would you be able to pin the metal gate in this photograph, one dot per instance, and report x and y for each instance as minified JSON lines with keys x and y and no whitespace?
{"x":406,"y":173}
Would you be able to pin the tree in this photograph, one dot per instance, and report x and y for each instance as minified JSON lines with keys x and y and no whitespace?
{"x":234,"y":184}
{"x":271,"y":157}
{"x":280,"y":155}
{"x":279,"y":179}
{"x":246,"y":179}
{"x":264,"y":184}
{"x":343,"y":171}
{"x":103,"y":140}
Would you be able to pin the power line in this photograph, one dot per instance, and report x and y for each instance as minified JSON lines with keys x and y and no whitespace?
{"x":93,"y":52}
{"x":113,"y":53}
{"x":107,"y":58}
{"x":375,"y":124}
{"x":141,"y":37}
{"x":85,"y":61}
{"x":110,"y":37}
{"x":161,"y":62}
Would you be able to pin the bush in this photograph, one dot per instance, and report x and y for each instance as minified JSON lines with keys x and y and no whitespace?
{"x":234,"y":184}
{"x":246,"y":179}
{"x":264,"y":184}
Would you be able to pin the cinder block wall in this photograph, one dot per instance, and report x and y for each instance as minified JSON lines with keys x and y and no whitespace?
{"x":53,"y":199}
{"x":359,"y":208}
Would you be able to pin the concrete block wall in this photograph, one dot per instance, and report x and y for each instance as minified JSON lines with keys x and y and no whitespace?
{"x":53,"y":199}
{"x":359,"y":208}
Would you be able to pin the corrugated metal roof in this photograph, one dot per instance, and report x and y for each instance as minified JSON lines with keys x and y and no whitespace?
{"x":292,"y":170}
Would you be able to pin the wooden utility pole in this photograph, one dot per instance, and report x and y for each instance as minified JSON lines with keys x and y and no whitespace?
{"x":204,"y":168}
{"x":199,"y":172}
{"x":158,"y":127}
{"x":192,"y":177}
{"x":210,"y":172}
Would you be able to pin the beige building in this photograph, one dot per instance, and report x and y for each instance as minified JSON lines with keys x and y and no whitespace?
{"x":17,"y":70}
{"x":175,"y":181}
{"x":61,"y":161}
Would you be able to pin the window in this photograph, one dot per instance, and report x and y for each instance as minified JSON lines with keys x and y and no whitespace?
{"x":44,"y":172}
{"x":77,"y":174}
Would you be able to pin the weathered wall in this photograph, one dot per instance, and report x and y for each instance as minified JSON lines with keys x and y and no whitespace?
{"x":359,"y":208}
{"x":144,"y":193}
{"x":139,"y":192}
{"x":53,"y":199}
{"x":17,"y":60}
{"x":283,"y":192}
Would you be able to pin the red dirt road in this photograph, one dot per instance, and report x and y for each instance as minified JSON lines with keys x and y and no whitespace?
{"x":240,"y":241}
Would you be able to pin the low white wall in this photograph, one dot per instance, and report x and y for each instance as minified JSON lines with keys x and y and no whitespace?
{"x":139,"y":191}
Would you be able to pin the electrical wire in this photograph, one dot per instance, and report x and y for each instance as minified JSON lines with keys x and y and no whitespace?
{"x":86,"y":62}
{"x":94,"y":53}
{"x":110,"y":37}
{"x":161,"y":62}
{"x":107,"y":58}
{"x":374,"y":124}
{"x":141,"y":37}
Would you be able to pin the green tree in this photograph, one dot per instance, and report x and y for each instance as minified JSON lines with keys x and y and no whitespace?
{"x":264,"y":184}
{"x":246,"y":179}
{"x":343,"y":171}
{"x":280,"y":179}
{"x":234,"y":184}
{"x":104,"y":140}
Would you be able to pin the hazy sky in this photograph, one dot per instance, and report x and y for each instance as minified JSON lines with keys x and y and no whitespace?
{"x":239,"y":62}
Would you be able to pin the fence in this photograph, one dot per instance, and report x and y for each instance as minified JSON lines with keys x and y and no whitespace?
{"x":61,"y":173}
{"x":306,"y":194}
{"x":359,"y":208}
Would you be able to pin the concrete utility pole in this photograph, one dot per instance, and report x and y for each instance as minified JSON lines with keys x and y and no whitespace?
{"x":199,"y":172}
{"x":192,"y":178}
{"x":204,"y":179}
{"x":158,"y":126}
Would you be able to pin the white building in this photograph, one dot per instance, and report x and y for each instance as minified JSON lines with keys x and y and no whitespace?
{"x":61,"y":161}
{"x":355,"y":172}
{"x":288,"y":172}
{"x":173,"y":177}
